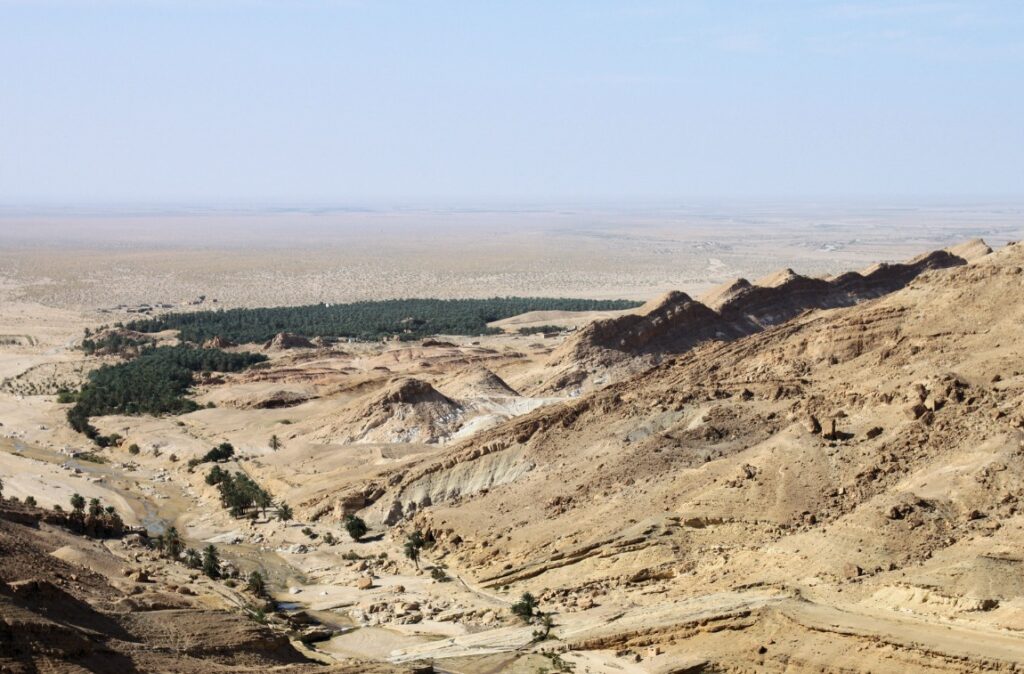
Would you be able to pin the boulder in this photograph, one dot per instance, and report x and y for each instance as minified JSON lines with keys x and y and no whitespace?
{"x":915,"y":410}
{"x":287,"y":340}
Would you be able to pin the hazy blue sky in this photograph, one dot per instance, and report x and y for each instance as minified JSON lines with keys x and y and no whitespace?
{"x":349,"y":101}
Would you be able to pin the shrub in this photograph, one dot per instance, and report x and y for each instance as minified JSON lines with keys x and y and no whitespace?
{"x":221,"y":452}
{"x":525,"y":607}
{"x":91,"y":457}
{"x":544,"y":633}
{"x":355,"y":526}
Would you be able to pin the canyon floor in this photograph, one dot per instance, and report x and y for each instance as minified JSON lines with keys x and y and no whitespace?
{"x":810,"y":471}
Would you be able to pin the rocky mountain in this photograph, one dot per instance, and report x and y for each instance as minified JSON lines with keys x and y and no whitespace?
{"x":676,"y":322}
{"x":816,"y":467}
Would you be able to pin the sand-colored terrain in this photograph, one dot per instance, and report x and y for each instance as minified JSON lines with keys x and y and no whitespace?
{"x":676,"y":496}
{"x":287,"y":257}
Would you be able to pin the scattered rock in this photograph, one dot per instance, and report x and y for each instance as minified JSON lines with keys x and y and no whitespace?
{"x":915,"y":410}
{"x":140,"y":576}
{"x":287,"y":340}
{"x":812,"y":424}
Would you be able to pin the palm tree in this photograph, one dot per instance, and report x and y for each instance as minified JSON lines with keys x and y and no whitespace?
{"x":263,"y":501}
{"x":211,"y":562}
{"x":77,"y":502}
{"x":193,"y":559}
{"x":256,"y":584}
{"x":413,"y":544}
{"x":284,"y":512}
{"x":275,"y":443}
{"x":172,"y":543}
{"x":95,"y":508}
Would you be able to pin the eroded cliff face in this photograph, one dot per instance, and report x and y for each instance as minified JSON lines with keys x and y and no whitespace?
{"x":861,"y":465}
{"x":676,"y":322}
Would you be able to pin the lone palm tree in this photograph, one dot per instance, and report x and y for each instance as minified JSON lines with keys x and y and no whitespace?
{"x":284,"y":512}
{"x":172,"y":543}
{"x":211,"y":562}
{"x":256,"y":584}
{"x":413,"y":544}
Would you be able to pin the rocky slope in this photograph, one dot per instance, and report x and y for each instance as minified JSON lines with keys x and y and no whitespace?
{"x":64,"y":616}
{"x":865,"y":463}
{"x":676,"y":323}
{"x":408,"y":410}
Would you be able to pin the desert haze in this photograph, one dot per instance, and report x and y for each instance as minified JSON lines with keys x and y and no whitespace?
{"x":759,"y":440}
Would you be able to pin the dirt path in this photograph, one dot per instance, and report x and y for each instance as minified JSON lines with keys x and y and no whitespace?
{"x":942,"y":638}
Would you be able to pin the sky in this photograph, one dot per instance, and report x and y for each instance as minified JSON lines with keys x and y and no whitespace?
{"x":350,"y":102}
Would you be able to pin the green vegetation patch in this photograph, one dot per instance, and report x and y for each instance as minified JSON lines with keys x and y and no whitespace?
{"x":410,"y":319}
{"x":154,"y":383}
{"x":535,"y":329}
{"x":113,"y":342}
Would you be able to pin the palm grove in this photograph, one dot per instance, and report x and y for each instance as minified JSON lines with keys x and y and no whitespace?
{"x":407,"y":318}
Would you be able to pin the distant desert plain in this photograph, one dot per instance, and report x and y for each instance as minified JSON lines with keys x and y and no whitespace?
{"x":89,"y":259}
